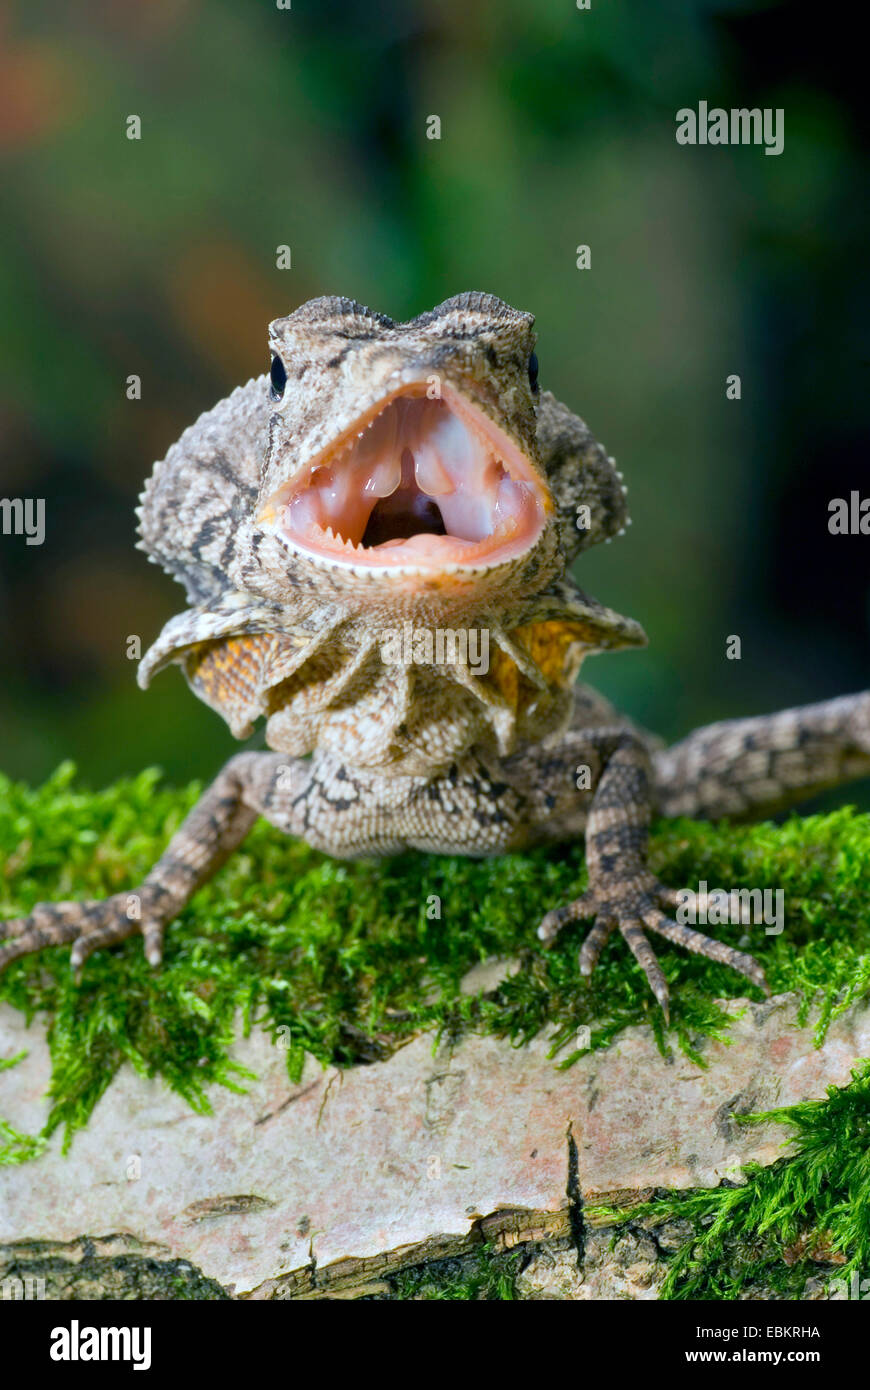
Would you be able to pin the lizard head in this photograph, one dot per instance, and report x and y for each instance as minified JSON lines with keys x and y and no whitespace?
{"x":385,"y":473}
{"x":405,"y":454}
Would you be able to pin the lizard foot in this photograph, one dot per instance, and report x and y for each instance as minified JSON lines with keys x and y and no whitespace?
{"x":634,"y":907}
{"x":89,"y":925}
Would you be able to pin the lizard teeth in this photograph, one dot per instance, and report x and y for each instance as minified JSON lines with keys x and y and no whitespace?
{"x":432,"y":476}
{"x":384,"y":477}
{"x":428,"y":475}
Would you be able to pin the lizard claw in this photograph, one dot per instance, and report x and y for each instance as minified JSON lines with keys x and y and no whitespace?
{"x":634,"y":908}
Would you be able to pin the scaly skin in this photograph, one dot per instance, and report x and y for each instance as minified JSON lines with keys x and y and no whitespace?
{"x":285,"y":624}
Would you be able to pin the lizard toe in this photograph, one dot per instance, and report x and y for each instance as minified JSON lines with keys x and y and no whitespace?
{"x":153,"y":941}
{"x":633,"y":934}
{"x":16,"y":926}
{"x":707,"y":946}
{"x":559,"y":917}
{"x":48,"y":924}
{"x":111,"y":924}
{"x":592,"y":947}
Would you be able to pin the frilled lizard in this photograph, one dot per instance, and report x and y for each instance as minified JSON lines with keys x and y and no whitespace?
{"x":412,"y":477}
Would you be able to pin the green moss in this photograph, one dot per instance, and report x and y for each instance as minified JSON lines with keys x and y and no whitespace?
{"x":344,"y":957}
{"x":16,"y":1147}
{"x":807,"y":1211}
{"x":486,"y":1274}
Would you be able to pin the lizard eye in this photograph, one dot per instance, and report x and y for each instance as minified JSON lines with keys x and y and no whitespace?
{"x":533,"y":371}
{"x":278,"y":378}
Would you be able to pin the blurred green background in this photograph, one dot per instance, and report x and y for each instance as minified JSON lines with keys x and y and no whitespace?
{"x":307,"y":127}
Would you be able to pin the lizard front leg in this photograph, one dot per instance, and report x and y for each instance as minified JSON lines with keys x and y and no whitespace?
{"x":623,"y":894}
{"x":215,"y":827}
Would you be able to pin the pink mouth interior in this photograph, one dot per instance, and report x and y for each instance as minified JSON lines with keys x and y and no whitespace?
{"x":424,"y":482}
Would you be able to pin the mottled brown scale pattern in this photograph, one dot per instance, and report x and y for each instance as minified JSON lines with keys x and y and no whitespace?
{"x":370,"y":757}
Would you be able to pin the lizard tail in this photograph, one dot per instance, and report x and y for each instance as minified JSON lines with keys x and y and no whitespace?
{"x":746,"y":768}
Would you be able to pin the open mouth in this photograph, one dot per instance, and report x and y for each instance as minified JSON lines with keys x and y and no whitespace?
{"x":425,"y":483}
